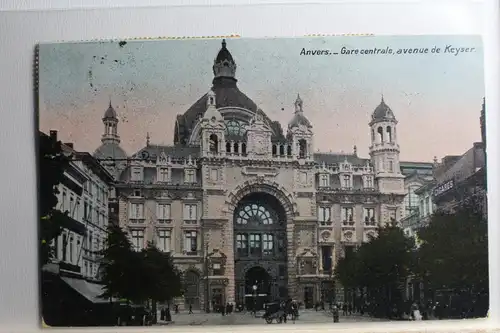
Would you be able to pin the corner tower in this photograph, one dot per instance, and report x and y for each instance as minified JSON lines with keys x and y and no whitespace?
{"x":384,"y":149}
{"x":300,"y":133}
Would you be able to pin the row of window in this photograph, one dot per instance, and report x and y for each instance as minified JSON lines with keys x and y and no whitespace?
{"x":89,"y":269}
{"x":163,"y":212}
{"x":346,"y":181}
{"x":72,"y":204}
{"x":257,"y":244}
{"x":346,"y":215}
{"x":163,"y":240}
{"x":164,"y":175}
{"x":94,"y":190}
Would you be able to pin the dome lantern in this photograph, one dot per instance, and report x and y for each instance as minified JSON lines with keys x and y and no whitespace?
{"x":224,"y":65}
{"x":299,"y":118}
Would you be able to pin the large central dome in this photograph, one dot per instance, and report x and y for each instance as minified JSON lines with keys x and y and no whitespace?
{"x":227,"y":94}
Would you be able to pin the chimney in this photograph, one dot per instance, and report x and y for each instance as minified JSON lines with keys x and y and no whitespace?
{"x":53,"y":135}
{"x":69,"y":144}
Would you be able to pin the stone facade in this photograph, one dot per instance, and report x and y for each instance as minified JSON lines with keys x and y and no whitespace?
{"x":189,"y":197}
{"x":83,"y":199}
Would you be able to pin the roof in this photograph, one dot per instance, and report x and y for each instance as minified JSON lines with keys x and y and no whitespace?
{"x":151,"y":152}
{"x":227,"y":94}
{"x":110,"y":150}
{"x":110,"y":112}
{"x":382,"y":112}
{"x":94,"y":165}
{"x":224,"y":54}
{"x":465,"y":166}
{"x":334,"y":158}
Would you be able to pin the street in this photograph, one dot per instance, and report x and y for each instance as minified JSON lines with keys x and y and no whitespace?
{"x":245,"y":318}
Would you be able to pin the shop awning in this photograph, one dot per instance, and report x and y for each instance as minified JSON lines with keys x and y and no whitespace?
{"x":89,"y":290}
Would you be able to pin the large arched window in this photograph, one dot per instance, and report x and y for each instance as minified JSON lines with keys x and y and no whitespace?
{"x":254,"y":213}
{"x":235,"y":128}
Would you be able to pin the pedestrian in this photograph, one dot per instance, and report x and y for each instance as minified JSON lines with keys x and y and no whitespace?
{"x":190,"y":308}
{"x":335,"y":313}
{"x":349,"y":308}
{"x":162,"y":314}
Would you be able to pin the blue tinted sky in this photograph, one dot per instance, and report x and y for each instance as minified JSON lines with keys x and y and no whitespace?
{"x":436,"y":97}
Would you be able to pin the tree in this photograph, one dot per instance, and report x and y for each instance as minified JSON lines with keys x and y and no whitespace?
{"x":381,"y":266}
{"x":162,"y":278}
{"x":52,"y":163}
{"x":122,"y":268}
{"x":454,"y":249}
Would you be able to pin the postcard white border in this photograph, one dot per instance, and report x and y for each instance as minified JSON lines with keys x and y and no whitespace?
{"x":21,"y":30}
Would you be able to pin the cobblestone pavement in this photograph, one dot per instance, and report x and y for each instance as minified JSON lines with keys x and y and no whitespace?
{"x":245,"y":318}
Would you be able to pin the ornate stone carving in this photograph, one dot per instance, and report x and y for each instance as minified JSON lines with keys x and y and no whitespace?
{"x":261,"y":144}
{"x":262,"y":185}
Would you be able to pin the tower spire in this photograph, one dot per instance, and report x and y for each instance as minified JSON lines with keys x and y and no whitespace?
{"x":298,"y":104}
{"x":110,"y":121}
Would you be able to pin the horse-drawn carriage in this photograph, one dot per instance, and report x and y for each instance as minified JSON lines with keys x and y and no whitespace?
{"x":279,"y":311}
{"x":274,"y":311}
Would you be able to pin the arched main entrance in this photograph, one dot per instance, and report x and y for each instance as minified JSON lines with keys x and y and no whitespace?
{"x":258,"y":278}
{"x":192,"y":289}
{"x":260,"y":249}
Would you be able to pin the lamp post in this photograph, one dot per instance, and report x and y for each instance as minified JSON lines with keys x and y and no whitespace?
{"x":207,"y":283}
{"x":254,"y":288}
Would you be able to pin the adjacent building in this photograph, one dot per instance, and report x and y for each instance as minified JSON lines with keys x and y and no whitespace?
{"x":239,"y":202}
{"x":83,"y":199}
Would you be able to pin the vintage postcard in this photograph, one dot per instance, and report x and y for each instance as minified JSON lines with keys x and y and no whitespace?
{"x":237,"y":181}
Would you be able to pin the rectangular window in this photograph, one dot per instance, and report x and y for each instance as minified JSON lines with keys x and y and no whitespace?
{"x":189,"y":176}
{"x":326,"y":257}
{"x":190,"y":213}
{"x":164,"y":240}
{"x":137,"y":174}
{"x":324,"y":216}
{"x":346,"y":183}
{"x":163,"y":175}
{"x":347,"y":214}
{"x":97,"y":243}
{"x":85,"y":210}
{"x":268,"y":244}
{"x":369,"y":215}
{"x":137,"y":239}
{"x":390,"y":166}
{"x":255,"y":245}
{"x":136,"y":212}
{"x":64,"y":247}
{"x":242,"y":245}
{"x":71,"y":249}
{"x":71,"y":205}
{"x":281,"y":244}
{"x":90,"y":245}
{"x":214,"y":175}
{"x":190,"y":242}
{"x":163,"y":212}
{"x":369,"y":182}
{"x":324,"y":180}
{"x":91,"y":213}
{"x":392,"y":215}
{"x":64,"y":201}
{"x":217,"y":269}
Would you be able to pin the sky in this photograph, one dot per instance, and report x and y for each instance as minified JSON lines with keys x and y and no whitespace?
{"x":436,"y":97}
